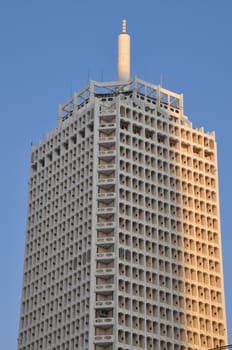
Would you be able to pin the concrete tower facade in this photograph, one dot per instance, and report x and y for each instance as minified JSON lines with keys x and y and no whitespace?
{"x":123,"y":244}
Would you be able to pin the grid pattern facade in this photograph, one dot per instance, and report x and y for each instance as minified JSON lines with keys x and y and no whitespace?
{"x":123,"y":247}
{"x":56,"y":287}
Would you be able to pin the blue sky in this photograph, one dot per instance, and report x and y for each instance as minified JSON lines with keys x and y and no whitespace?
{"x":49,"y":49}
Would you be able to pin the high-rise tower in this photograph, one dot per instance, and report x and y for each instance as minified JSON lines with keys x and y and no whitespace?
{"x":123,"y":245}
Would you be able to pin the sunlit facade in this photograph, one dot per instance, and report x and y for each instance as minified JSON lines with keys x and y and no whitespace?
{"x":123,"y":244}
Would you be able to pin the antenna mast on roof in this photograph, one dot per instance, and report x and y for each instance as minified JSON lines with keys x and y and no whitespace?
{"x":123,"y":54}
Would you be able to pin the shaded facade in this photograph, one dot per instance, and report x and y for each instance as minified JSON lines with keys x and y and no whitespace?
{"x":123,"y":246}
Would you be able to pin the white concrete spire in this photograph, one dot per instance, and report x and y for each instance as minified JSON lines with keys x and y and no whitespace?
{"x":123,"y":54}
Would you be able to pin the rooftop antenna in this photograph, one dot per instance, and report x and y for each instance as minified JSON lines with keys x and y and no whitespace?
{"x":123,"y":54}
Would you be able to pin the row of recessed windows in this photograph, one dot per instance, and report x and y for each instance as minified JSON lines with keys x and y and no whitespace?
{"x":47,"y":268}
{"x":61,"y":156}
{"x":59,"y":187}
{"x":216,"y":327}
{"x":154,"y":236}
{"x":58,"y":215}
{"x":166,"y":330}
{"x":62,"y":333}
{"x":204,"y":308}
{"x":191,"y":274}
{"x":147,"y":231}
{"x":201,"y":233}
{"x":150,"y":278}
{"x":150,"y":189}
{"x":153,"y":139}
{"x":55,"y":257}
{"x":151,"y":327}
{"x":188,"y":188}
{"x":139,"y":203}
{"x":198,"y":191}
{"x":33,"y":298}
{"x":140,"y":116}
{"x":211,"y":294}
{"x":71,"y":344}
{"x":204,"y":293}
{"x":166,"y":126}
{"x":204,"y":235}
{"x":35,"y":252}
{"x":162,"y":170}
{"x":51,"y":233}
{"x":47,"y":244}
{"x":47,"y":272}
{"x":162,"y":148}
{"x":73,"y":192}
{"x":209,"y":236}
{"x":163,"y":263}
{"x":54,"y":220}
{"x":141,"y":229}
{"x":38,"y":308}
{"x":69,"y":131}
{"x":140,"y":324}
{"x":57,"y":234}
{"x":193,"y":246}
{"x":165,"y":267}
{"x":155,"y":264}
{"x":47,"y":281}
{"x":66,"y":151}
{"x":151,"y":248}
{"x":63,"y":199}
{"x":204,"y":263}
{"x":142,"y":243}
{"x":137,"y":290}
{"x":191,"y":260}
{"x":149,"y":342}
{"x":65,"y":181}
{"x":57,"y":173}
{"x":201,"y":178}
{"x":199,"y":219}
{"x":55,"y":313}
{"x":142,"y":131}
{"x":207,"y":248}
{"x":150,"y":205}
{"x":199,"y":205}
{"x":203,"y":340}
{"x":164,"y":223}
{"x":149,"y":175}
{"x":139,"y":306}
{"x":59,"y":206}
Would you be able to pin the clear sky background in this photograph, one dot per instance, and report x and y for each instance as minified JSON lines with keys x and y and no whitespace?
{"x":51,"y":48}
